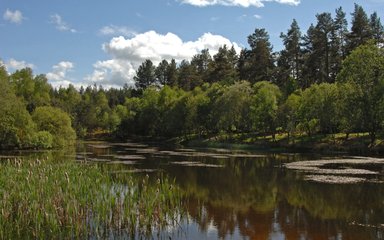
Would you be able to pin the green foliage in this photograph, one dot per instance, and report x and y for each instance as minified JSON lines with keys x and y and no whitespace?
{"x":145,"y":75}
{"x":264,"y":106}
{"x":43,"y":140}
{"x":57,"y":123}
{"x":318,"y":108}
{"x":44,"y":199}
{"x":34,"y":90}
{"x":204,"y":95}
{"x":16,"y":126}
{"x":364,"y":69}
{"x":233,"y":107}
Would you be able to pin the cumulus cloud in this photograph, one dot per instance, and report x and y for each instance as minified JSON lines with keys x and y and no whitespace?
{"x":129,"y":53}
{"x":257,"y":16}
{"x":13,"y":17}
{"x":60,"y":24}
{"x":58,"y":76}
{"x":117,"y":31}
{"x":13,"y":64}
{"x":239,"y":3}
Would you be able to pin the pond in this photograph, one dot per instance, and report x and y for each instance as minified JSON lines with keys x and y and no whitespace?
{"x":256,"y":195}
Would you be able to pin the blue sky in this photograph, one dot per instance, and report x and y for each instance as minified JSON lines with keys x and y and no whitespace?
{"x":87,"y":41}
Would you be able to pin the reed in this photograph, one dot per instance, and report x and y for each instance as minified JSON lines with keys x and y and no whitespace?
{"x":43,"y":199}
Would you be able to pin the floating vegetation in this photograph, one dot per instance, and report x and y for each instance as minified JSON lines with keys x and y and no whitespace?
{"x":130,"y":157}
{"x":334,"y":179}
{"x":99,"y":146}
{"x":130,"y":144}
{"x":197,"y":164}
{"x":123,"y":162}
{"x":41,"y":199}
{"x":339,"y":170}
{"x":185,"y":150}
{"x":147,"y":150}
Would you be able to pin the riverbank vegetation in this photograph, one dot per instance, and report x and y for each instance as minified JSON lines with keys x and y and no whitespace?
{"x":327,"y":81}
{"x":44,"y":199}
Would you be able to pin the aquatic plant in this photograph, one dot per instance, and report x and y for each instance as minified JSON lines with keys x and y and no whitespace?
{"x":43,"y":199}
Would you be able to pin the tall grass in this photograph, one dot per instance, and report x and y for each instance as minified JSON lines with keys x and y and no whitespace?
{"x":42,"y":199}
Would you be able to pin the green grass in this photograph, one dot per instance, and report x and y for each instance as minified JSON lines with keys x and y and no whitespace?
{"x":42,"y":199}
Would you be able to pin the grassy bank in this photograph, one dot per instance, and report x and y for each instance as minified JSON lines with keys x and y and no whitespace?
{"x":42,"y":199}
{"x":356,"y":143}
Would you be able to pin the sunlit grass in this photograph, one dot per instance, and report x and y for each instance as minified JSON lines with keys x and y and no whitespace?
{"x":41,"y":199}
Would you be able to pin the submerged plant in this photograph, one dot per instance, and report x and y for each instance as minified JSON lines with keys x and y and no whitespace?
{"x":42,"y":199}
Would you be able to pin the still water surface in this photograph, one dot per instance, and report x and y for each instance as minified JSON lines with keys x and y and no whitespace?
{"x":252,"y":195}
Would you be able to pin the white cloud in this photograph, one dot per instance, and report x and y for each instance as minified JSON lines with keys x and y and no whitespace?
{"x":62,"y":26}
{"x":129,"y":53}
{"x":117,"y":31}
{"x":13,"y":17}
{"x":17,"y":65}
{"x":239,"y":3}
{"x":257,"y":16}
{"x":58,"y":76}
{"x":112,"y":73}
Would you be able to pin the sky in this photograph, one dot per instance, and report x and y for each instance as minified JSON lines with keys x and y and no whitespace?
{"x":83,"y":42}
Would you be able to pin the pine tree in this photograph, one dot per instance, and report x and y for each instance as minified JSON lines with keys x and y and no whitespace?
{"x":145,"y":75}
{"x":360,"y":30}
{"x":261,"y":61}
{"x":292,"y":52}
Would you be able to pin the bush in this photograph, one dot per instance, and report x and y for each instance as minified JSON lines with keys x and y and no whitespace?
{"x":57,"y":123}
{"x":42,"y":139}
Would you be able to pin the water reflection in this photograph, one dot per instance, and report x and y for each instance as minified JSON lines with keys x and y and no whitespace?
{"x":249,"y":195}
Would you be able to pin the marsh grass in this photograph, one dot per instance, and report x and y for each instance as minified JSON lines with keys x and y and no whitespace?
{"x":41,"y":199}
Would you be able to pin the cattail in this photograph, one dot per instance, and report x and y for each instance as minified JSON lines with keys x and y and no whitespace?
{"x":67,"y":177}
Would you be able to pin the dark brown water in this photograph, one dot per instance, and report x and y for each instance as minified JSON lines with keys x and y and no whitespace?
{"x":252,"y":195}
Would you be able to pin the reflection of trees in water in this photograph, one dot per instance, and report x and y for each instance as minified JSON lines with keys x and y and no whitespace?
{"x":256,"y":197}
{"x":291,"y":222}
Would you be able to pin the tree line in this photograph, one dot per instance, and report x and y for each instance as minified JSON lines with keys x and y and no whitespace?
{"x":328,"y":80}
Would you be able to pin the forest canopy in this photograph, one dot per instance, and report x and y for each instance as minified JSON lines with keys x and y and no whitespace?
{"x":329,"y":79}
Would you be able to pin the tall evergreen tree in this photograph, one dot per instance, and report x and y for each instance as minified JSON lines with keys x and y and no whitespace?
{"x":201,"y":64}
{"x":292,"y":51}
{"x":338,"y":39}
{"x":318,"y":50}
{"x":261,"y":61}
{"x":360,"y":31}
{"x":376,"y":28}
{"x":172,"y":73}
{"x":145,"y":75}
{"x":161,"y":72}
{"x":223,"y":67}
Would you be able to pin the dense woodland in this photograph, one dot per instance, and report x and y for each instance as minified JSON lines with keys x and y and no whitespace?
{"x":329,"y":79}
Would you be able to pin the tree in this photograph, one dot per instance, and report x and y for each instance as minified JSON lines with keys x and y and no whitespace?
{"x":288,"y":114}
{"x":364,"y":68}
{"x":201,"y":62}
{"x":319,"y":49}
{"x":34,"y":90}
{"x":188,"y":77}
{"x":16,"y":127}
{"x":318,"y":109}
{"x":360,"y":30}
{"x":145,"y":75}
{"x":57,"y":123}
{"x":172,"y":73}
{"x":292,"y":51}
{"x":264,"y":107}
{"x":261,"y":62}
{"x":161,"y":73}
{"x":223,"y":67}
{"x":338,"y":42}
{"x":233,"y":108}
{"x":376,"y":28}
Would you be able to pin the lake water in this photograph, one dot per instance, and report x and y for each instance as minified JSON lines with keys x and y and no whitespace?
{"x":256,"y":195}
